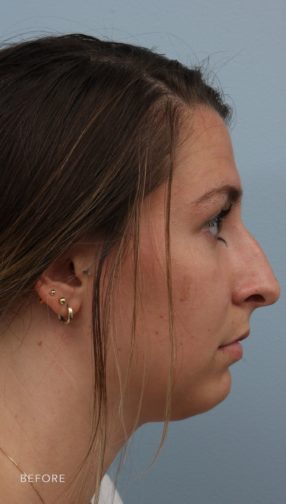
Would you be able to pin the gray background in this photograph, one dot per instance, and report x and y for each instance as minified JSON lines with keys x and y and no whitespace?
{"x":234,"y":453}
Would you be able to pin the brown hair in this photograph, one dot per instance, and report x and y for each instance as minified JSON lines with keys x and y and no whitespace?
{"x":87,"y":129}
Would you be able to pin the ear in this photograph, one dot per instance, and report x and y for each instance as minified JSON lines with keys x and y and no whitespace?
{"x":69,"y":276}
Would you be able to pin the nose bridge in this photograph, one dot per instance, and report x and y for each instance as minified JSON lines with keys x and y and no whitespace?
{"x":257,"y":279}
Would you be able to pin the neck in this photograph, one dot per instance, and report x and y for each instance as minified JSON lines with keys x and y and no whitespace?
{"x":45,"y":415}
{"x":41,"y":388}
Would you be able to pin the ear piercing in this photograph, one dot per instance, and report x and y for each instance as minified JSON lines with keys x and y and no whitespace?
{"x":70,"y":316}
{"x":63,"y":302}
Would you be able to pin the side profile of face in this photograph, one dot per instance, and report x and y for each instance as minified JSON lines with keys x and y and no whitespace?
{"x":219,"y":276}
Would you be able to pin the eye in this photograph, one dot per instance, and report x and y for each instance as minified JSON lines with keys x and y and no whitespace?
{"x":215,"y":225}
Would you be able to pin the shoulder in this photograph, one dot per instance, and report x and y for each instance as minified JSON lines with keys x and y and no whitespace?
{"x":108,"y":493}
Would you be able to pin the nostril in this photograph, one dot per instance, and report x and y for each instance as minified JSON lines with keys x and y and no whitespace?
{"x":256,"y":298}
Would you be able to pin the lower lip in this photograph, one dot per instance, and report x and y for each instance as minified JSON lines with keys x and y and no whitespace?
{"x":234,"y":350}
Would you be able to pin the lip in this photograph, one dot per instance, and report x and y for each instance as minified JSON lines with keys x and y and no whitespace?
{"x":233,"y":351}
{"x":244,"y":336}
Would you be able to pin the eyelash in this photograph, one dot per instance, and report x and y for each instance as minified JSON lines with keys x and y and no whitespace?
{"x":218,"y":220}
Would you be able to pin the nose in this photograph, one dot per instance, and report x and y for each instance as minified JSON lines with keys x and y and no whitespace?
{"x":255,"y":284}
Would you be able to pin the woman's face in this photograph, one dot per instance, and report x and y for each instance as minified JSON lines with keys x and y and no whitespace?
{"x":219,"y":276}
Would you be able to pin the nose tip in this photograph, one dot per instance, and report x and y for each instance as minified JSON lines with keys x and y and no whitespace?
{"x":257,"y":283}
{"x":268,"y":294}
{"x":275,"y":294}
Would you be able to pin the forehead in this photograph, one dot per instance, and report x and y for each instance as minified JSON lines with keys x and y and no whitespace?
{"x":204,"y":161}
{"x":204,"y":156}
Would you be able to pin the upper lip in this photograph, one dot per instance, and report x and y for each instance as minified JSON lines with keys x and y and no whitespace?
{"x":245,"y":335}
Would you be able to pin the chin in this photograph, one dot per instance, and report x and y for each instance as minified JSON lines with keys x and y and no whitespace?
{"x":207,"y":397}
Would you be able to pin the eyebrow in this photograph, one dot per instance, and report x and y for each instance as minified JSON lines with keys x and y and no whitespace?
{"x":233,"y":193}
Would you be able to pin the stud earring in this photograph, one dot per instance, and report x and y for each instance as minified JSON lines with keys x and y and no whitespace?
{"x":52,"y":293}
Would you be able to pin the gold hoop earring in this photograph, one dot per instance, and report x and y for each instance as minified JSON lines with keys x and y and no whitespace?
{"x":70,"y":316}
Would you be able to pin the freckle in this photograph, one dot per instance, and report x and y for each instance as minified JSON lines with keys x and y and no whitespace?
{"x":161,"y":316}
{"x":40,"y":343}
{"x":156,"y":332}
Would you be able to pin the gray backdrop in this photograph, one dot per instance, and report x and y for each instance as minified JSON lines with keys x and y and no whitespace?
{"x":235,"y":453}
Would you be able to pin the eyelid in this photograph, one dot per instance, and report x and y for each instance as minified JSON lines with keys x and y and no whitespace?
{"x":220,"y":216}
{"x":223,"y":212}
{"x":226,"y":206}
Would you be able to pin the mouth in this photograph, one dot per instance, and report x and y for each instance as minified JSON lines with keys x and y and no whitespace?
{"x":233,"y":350}
{"x":244,"y":336}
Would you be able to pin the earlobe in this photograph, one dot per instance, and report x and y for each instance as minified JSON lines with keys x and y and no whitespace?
{"x":57,"y":302}
{"x":63,"y":301}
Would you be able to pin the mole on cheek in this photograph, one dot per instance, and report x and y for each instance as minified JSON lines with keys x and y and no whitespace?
{"x":40,"y":343}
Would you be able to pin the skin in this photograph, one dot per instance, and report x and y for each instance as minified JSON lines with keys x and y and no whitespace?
{"x":46,"y":381}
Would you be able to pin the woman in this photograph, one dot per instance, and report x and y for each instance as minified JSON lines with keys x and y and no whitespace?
{"x":127,"y":275}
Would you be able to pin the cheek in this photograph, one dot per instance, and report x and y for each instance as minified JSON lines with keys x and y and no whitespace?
{"x":151,"y":306}
{"x":197,"y":284}
{"x":201,"y":300}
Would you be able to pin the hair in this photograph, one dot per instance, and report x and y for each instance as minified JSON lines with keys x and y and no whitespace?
{"x":88,"y":128}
